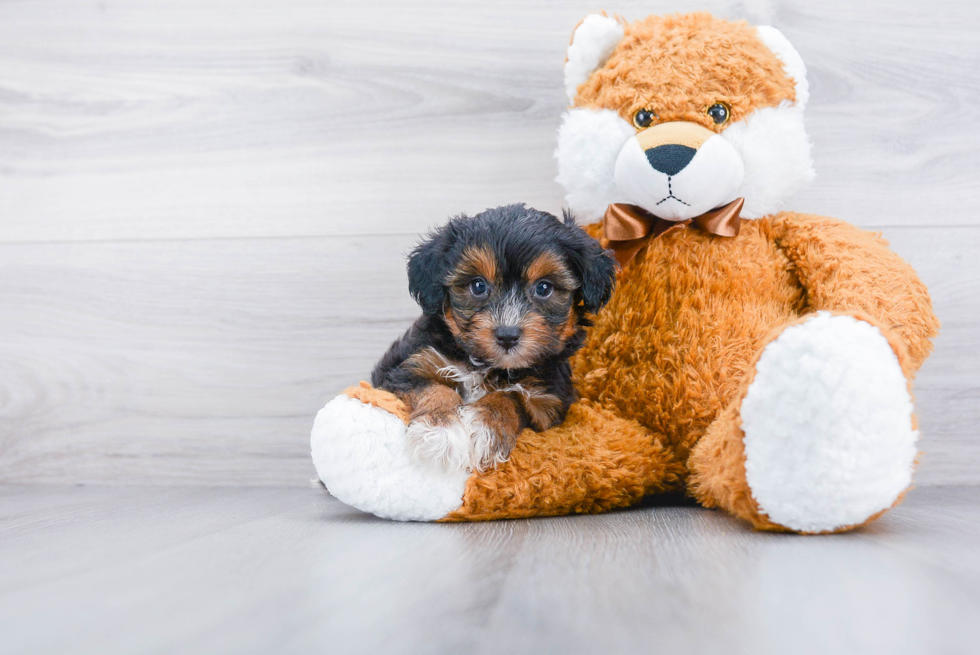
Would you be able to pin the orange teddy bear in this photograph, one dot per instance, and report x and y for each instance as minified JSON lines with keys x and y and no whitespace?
{"x":759,"y":360}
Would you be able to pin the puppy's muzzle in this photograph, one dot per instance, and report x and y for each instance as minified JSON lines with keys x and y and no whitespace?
{"x":507,"y":337}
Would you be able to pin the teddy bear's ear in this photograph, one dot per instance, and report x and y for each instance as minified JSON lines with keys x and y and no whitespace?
{"x":790,"y":58}
{"x":593,"y":41}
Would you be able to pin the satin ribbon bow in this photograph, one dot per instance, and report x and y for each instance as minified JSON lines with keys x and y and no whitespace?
{"x":627,"y":228}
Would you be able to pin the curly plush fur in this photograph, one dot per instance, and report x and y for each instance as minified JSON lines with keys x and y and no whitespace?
{"x":767,"y":374}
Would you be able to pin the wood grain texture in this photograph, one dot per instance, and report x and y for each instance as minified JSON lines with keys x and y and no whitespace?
{"x":205,"y":361}
{"x":164,"y":570}
{"x":184,"y":119}
{"x":204,"y":207}
{"x":186,"y":361}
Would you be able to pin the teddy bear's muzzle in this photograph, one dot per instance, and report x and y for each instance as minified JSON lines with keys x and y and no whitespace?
{"x":679,"y":170}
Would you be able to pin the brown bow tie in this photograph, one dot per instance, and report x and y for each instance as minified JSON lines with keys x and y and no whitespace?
{"x":627,"y":228}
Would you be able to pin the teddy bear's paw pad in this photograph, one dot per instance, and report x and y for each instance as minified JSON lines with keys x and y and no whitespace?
{"x":361,"y":454}
{"x":829,"y":438}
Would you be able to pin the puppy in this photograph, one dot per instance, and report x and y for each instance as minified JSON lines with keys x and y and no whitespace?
{"x":504,"y":296}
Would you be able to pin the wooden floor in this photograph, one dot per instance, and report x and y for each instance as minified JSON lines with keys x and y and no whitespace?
{"x":291,"y":570}
{"x":204,"y":212}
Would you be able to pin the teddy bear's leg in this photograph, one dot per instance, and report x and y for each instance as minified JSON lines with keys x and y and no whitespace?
{"x":593,"y":462}
{"x":822,"y":437}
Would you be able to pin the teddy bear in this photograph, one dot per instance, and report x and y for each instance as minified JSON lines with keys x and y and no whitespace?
{"x":755,"y":359}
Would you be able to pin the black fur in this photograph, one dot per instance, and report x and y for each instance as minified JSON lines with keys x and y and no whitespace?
{"x":516,"y":235}
{"x":594,"y":266}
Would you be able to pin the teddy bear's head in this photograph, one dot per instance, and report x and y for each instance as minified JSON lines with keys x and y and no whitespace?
{"x":680,"y":115}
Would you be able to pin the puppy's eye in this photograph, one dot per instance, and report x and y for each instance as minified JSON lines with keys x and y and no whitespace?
{"x":478,"y":287}
{"x":543,"y":289}
{"x":643,"y":118}
{"x":719,"y":113}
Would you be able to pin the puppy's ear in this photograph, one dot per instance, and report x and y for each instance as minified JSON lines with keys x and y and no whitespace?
{"x":428,"y":266}
{"x":598,"y":278}
{"x":595,"y":267}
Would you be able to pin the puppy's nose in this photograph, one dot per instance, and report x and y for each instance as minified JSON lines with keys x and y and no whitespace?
{"x":507,"y":337}
{"x":670,"y":159}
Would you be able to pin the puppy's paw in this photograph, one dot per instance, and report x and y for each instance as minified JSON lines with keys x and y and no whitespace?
{"x":491,"y":439}
{"x":444,"y":442}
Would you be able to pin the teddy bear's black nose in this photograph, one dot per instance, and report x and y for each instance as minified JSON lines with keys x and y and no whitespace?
{"x":507,"y":337}
{"x":670,"y":159}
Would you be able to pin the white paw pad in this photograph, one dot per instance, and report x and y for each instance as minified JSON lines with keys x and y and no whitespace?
{"x":828,"y":425}
{"x":360,"y":452}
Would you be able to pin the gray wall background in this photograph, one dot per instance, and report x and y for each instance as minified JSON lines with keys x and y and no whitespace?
{"x":205,"y":206}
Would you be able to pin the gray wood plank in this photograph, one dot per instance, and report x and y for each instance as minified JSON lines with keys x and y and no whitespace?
{"x":140,"y":569}
{"x":189,"y":360}
{"x":110,"y":524}
{"x":947,"y":389}
{"x":204,"y":362}
{"x":186,"y":361}
{"x":184,"y":119}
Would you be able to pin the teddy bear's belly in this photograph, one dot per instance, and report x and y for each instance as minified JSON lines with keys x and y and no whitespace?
{"x":688,"y":317}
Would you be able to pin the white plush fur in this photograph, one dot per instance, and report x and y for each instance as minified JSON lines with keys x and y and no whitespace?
{"x":592,"y":43}
{"x":775,"y":151}
{"x":791,"y":60}
{"x":828,"y":425}
{"x":711,"y":179}
{"x":589,"y":142}
{"x":771,"y":142}
{"x":360,"y":454}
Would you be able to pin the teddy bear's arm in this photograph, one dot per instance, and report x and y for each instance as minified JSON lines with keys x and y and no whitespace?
{"x":843,"y":268}
{"x":593,"y":462}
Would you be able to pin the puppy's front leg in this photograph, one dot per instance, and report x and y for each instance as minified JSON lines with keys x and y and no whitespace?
{"x":435,"y":431}
{"x":495,"y":421}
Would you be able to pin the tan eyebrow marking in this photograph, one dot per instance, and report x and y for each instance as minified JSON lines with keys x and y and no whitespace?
{"x":476,"y":260}
{"x":551,"y":266}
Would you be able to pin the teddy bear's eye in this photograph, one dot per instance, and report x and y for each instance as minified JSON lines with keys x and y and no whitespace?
{"x":719,"y":113}
{"x":643,"y":118}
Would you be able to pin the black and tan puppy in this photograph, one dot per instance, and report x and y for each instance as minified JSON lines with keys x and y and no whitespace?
{"x":504,"y":296}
